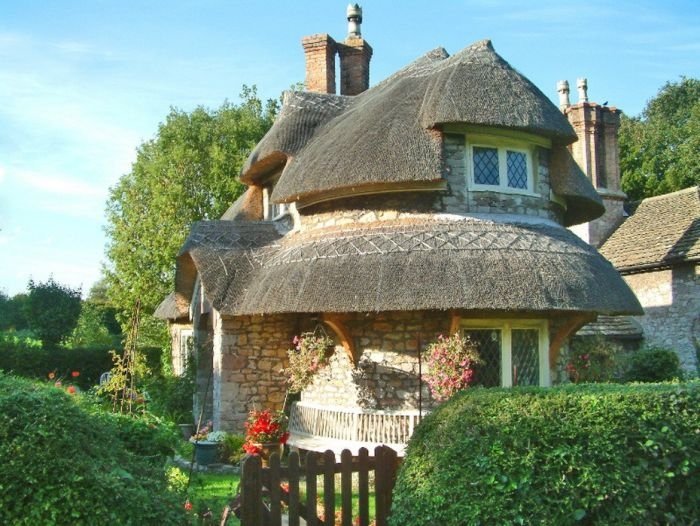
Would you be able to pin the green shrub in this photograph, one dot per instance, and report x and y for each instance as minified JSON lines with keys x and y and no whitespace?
{"x":23,"y":357}
{"x":232,"y":448}
{"x":591,"y":454}
{"x":171,"y":397}
{"x":592,"y":359}
{"x":63,"y":463}
{"x":653,"y":364}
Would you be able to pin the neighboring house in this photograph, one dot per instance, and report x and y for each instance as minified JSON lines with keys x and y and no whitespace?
{"x":176,"y":310}
{"x":433,"y":202}
{"x":657,"y":250}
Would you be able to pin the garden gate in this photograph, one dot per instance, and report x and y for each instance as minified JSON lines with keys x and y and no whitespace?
{"x":264,"y":489}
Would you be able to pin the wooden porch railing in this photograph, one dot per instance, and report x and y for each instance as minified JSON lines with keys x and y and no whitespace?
{"x":264,"y":489}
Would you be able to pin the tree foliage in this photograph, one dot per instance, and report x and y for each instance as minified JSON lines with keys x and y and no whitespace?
{"x":660,"y":150}
{"x":52,"y":310}
{"x":13,"y":312}
{"x":187,"y":172}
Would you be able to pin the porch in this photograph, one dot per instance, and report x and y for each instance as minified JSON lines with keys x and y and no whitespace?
{"x":314,"y":427}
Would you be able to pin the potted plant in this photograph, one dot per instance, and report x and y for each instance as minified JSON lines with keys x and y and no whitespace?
{"x":206,"y":444}
{"x":310,"y":354}
{"x":266,"y":433}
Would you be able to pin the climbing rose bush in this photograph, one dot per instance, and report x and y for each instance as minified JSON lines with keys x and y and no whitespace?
{"x":310,"y":354}
{"x":451,"y":363}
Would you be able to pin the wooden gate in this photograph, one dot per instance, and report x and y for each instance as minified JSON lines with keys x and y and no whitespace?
{"x":263,"y":490}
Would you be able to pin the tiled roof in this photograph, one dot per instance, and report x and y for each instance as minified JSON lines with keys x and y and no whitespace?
{"x":620,"y":327}
{"x":664,"y":231}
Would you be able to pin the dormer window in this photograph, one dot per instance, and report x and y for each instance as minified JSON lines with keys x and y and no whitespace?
{"x":272,"y":211}
{"x":500,"y":166}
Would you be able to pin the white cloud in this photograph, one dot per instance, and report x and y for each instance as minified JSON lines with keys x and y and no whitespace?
{"x":58,"y":184}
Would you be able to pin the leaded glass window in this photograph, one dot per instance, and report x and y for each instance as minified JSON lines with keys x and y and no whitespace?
{"x":525,"y":358}
{"x":506,"y":168}
{"x":486,"y":169}
{"x":488,"y":341}
{"x":517,"y":169}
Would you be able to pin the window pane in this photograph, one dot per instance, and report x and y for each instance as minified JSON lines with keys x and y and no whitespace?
{"x":488,"y":373}
{"x":526,"y":356}
{"x":486,"y":165}
{"x":517,"y":169}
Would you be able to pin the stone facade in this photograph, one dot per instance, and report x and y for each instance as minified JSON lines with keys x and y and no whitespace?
{"x":249,"y":354}
{"x":671,"y":301}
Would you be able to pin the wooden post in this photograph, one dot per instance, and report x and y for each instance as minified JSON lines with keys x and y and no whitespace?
{"x":363,"y":476}
{"x":329,"y":488}
{"x":275,"y":493}
{"x":346,"y":486}
{"x":251,"y":492}
{"x":311,"y":517}
{"x":293,"y":462}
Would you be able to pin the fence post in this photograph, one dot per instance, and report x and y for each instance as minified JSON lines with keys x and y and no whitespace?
{"x":275,"y":491}
{"x":363,"y":480}
{"x":346,"y":486}
{"x":329,"y":488}
{"x":385,"y":473}
{"x":311,"y":472}
{"x":294,"y":475}
{"x":251,"y":492}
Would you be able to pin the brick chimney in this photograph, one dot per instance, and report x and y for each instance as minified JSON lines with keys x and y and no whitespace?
{"x":355,"y":55}
{"x":354,"y":52}
{"x":320,"y":63}
{"x":597,"y":153}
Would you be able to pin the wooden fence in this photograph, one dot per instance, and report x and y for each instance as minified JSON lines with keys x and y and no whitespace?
{"x":264,"y":489}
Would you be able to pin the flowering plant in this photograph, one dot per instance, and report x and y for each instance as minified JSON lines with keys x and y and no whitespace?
{"x":58,"y":382}
{"x":451,"y":364}
{"x":310,"y":354}
{"x":264,"y":427}
{"x":202,"y":433}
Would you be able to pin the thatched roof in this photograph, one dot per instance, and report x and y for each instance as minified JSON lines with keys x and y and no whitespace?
{"x":664,"y":231}
{"x":389,"y":134}
{"x":173,"y":307}
{"x":410,"y":265}
{"x":617,"y":327}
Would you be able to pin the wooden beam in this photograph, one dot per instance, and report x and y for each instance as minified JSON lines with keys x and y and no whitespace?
{"x":337,"y":324}
{"x":569,"y":327}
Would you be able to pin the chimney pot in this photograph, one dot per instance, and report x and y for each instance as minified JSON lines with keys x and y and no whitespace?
{"x":563,"y":90}
{"x":582,"y":86}
{"x":354,"y":13}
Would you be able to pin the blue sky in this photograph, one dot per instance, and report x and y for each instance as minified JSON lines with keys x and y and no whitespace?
{"x":83,"y":83}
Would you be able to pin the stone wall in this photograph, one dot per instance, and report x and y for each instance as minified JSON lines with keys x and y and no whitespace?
{"x":386,"y":347}
{"x":671,"y":301}
{"x":249,"y":354}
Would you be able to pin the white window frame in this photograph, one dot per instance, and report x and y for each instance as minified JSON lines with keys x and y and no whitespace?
{"x":184,"y":350}
{"x":502,"y":146}
{"x":506,"y":327}
{"x":272,"y":211}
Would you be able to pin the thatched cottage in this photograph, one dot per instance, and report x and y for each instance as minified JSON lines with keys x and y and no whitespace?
{"x":433,"y":202}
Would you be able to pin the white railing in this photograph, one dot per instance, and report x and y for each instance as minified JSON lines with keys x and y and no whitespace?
{"x":317,"y":427}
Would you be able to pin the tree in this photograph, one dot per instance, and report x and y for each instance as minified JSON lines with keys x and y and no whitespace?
{"x":52,"y":311}
{"x":186,"y":173}
{"x":12,"y":312}
{"x":660,"y":150}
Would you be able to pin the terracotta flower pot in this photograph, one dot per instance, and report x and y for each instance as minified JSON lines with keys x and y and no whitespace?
{"x":267,"y":449}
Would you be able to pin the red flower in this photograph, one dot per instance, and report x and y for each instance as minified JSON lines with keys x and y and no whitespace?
{"x":75,"y":374}
{"x":71,"y":389}
{"x":188,"y":505}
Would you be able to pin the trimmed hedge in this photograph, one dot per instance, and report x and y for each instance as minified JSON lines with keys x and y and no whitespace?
{"x":586,"y":454}
{"x":67,"y":464}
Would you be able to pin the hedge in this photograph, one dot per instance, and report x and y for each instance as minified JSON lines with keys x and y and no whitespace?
{"x":586,"y":454}
{"x":66,"y":464}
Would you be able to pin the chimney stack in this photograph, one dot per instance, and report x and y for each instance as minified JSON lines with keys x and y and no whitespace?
{"x":320,"y":63}
{"x":597,"y":154}
{"x":354,"y":53}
